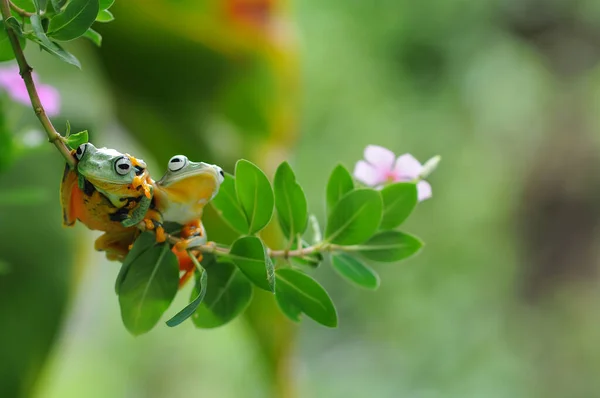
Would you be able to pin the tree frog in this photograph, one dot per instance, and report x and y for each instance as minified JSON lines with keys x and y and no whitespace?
{"x":180,"y":196}
{"x":107,"y":191}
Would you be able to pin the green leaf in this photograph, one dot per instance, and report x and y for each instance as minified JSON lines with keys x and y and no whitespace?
{"x":38,"y":36}
{"x":93,"y":36}
{"x":74,"y":20}
{"x":399,"y":200}
{"x":340,"y":183}
{"x":390,"y":246}
{"x":250,"y":255}
{"x":40,"y":5}
{"x":197,"y":296}
{"x":105,"y":16}
{"x":58,"y":4}
{"x":148,"y":288}
{"x":143,"y":243}
{"x":355,"y":271}
{"x":227,"y":295}
{"x":77,"y":139}
{"x":6,"y":50}
{"x":106,"y":4}
{"x":290,"y":202}
{"x":228,"y":208}
{"x":289,"y":309}
{"x":296,"y":290}
{"x":255,"y":195}
{"x":355,"y":218}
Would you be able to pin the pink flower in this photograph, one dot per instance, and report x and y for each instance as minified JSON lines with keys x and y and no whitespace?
{"x":381,"y":166}
{"x":13,"y":84}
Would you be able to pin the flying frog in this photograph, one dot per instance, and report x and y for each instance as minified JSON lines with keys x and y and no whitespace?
{"x":107,"y":191}
{"x":180,"y":196}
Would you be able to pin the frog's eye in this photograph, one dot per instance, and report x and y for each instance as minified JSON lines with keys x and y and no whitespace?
{"x":123,"y":166}
{"x":177,"y":163}
{"x":80,"y":151}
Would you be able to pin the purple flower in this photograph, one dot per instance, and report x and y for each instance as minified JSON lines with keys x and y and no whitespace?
{"x":12,"y":83}
{"x":381,"y":166}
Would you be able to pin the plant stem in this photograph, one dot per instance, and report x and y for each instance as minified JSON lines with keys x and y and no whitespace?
{"x":19,"y":10}
{"x":25,"y":72}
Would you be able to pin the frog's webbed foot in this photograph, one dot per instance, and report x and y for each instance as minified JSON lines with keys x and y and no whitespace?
{"x":153,"y":222}
{"x":192,"y":235}
{"x":116,"y":244}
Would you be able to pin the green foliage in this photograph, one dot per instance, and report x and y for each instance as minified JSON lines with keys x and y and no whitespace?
{"x":355,"y":218}
{"x":39,"y":36}
{"x":339,"y":184}
{"x":297,"y":292}
{"x":148,"y":287}
{"x":355,"y":271}
{"x":254,"y":194}
{"x":93,"y":36}
{"x":228,"y":293}
{"x":197,"y":295}
{"x":250,"y":255}
{"x":290,"y":202}
{"x":390,"y":246}
{"x":105,"y":16}
{"x":399,"y":200}
{"x":227,"y":206}
{"x":74,"y":21}
{"x":6,"y":51}
{"x":75,"y":140}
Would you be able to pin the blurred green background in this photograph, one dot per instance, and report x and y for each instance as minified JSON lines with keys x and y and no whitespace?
{"x":502,"y":302}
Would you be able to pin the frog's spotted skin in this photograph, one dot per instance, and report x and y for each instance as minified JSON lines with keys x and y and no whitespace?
{"x":180,"y":196}
{"x":108,"y":191}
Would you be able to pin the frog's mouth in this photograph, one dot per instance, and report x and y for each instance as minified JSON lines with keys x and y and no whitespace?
{"x":193,"y":189}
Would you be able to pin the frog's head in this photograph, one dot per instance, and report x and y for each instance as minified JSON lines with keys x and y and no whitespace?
{"x":115,"y":174}
{"x":187,"y":181}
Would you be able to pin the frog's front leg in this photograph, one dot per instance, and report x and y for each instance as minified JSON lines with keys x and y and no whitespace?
{"x":154,"y":222}
{"x":192,"y":234}
{"x":186,"y":264}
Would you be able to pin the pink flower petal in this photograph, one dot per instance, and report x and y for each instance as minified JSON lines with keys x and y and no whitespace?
{"x":368,"y":174}
{"x":423,"y":190}
{"x":50,"y":99}
{"x":380,"y":157}
{"x":407,"y":167}
{"x":13,"y":84}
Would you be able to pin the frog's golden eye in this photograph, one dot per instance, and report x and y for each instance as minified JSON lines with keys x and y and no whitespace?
{"x":80,"y":151}
{"x":177,"y":163}
{"x":123,"y":165}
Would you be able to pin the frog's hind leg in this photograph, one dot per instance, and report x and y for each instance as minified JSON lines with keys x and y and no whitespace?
{"x":192,"y":234}
{"x":186,"y":265}
{"x":116,"y":244}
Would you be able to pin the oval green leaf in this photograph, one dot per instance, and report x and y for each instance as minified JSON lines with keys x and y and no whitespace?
{"x":74,"y":21}
{"x":148,"y":288}
{"x":399,"y":200}
{"x":355,"y":218}
{"x":197,"y":296}
{"x":296,"y":290}
{"x":75,"y":140}
{"x":289,"y":309}
{"x":228,"y":207}
{"x":255,"y":195}
{"x":340,"y":183}
{"x":93,"y":36}
{"x":390,"y":246}
{"x":250,"y":255}
{"x":143,"y":243}
{"x":228,"y":293}
{"x":106,"y":4}
{"x":355,"y":271}
{"x":290,"y":202}
{"x":105,"y":16}
{"x":38,"y":36}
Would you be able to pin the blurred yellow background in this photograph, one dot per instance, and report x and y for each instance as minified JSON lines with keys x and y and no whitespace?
{"x":503,"y":300}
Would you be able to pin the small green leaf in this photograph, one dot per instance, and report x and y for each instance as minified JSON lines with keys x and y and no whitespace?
{"x":355,"y":218}
{"x":143,"y":243}
{"x":197,"y":296}
{"x":105,"y":16}
{"x":38,"y":36}
{"x":228,"y":293}
{"x":340,"y":183}
{"x":93,"y":36}
{"x":390,"y":246}
{"x":250,"y":255}
{"x":148,"y":288}
{"x":290,"y":202}
{"x":399,"y":200}
{"x":227,"y":206}
{"x":58,"y":4}
{"x":106,"y":4}
{"x":6,"y":50}
{"x":355,"y":271}
{"x":296,"y":290}
{"x":75,"y":140}
{"x":74,"y":21}
{"x":255,"y":195}
{"x":40,"y":6}
{"x":289,"y":309}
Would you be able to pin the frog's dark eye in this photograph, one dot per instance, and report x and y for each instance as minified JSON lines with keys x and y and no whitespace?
{"x":80,"y":151}
{"x":177,"y":163}
{"x":123,"y":166}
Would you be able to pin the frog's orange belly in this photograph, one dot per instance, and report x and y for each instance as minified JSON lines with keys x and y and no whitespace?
{"x":94,"y":211}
